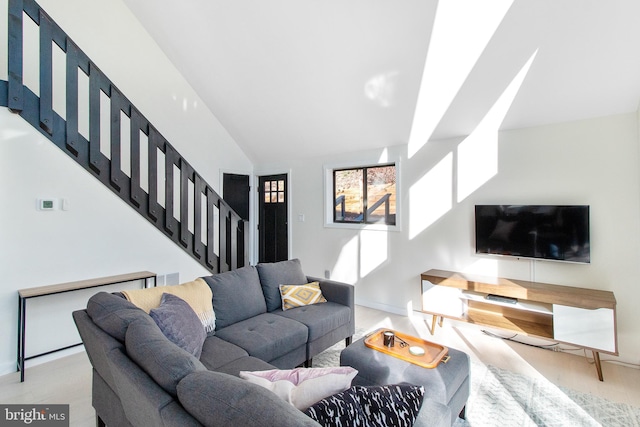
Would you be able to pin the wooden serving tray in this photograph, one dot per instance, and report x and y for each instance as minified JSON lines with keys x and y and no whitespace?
{"x":433,"y":353}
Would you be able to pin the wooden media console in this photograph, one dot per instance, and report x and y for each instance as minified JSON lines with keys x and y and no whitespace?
{"x":577,"y":316}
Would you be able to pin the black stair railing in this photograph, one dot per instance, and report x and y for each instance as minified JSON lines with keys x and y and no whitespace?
{"x":187,"y":209}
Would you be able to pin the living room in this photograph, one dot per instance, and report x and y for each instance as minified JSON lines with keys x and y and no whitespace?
{"x":591,"y":159}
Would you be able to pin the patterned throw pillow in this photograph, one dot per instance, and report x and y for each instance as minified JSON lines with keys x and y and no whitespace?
{"x":300,"y":295}
{"x":389,"y":405}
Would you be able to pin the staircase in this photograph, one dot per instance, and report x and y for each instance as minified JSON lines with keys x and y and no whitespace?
{"x":161,"y":185}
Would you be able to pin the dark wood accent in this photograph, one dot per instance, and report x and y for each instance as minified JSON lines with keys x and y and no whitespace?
{"x":232,"y":238}
{"x":46,"y":75}
{"x":15,"y":100}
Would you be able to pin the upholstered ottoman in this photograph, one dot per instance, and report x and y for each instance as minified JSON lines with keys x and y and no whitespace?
{"x":448,"y":383}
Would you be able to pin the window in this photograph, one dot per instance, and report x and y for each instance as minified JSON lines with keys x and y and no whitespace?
{"x":365,"y":195}
{"x":274,"y":191}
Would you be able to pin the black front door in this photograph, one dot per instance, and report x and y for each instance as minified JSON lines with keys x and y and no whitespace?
{"x":273,"y":237}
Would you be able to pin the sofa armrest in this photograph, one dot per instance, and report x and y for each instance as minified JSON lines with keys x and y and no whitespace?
{"x":217,"y":399}
{"x":338,"y":292}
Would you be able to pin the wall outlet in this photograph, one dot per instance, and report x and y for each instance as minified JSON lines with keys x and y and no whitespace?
{"x":327,"y":274}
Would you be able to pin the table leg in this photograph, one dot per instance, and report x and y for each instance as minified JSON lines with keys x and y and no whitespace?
{"x":432,"y":327}
{"x":22,"y":325}
{"x":596,"y":357}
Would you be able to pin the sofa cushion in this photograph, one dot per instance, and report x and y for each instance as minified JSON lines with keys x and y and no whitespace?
{"x":272,"y":275}
{"x":302,"y":387}
{"x":217,"y":399}
{"x":179,"y":323}
{"x":217,"y":352}
{"x":319,"y":318}
{"x":113,"y":313}
{"x":161,"y":359}
{"x":300,"y":295}
{"x":237,"y":295}
{"x":266,"y":336}
{"x":380,"y":406}
{"x":247,"y":363}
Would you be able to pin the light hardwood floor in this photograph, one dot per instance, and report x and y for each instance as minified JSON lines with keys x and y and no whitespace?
{"x":68,"y":379}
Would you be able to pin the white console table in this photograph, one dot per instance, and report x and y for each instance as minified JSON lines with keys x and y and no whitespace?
{"x":577,"y":316}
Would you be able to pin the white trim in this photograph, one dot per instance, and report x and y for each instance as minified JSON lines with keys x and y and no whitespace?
{"x":328,"y":195}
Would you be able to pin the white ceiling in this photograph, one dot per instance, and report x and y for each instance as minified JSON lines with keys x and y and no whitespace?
{"x":302,"y":77}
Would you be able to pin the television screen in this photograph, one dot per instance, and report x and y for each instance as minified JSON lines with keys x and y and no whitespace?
{"x":548,"y":232}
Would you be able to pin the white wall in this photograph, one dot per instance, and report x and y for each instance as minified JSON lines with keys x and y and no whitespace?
{"x":594,"y":162}
{"x":100,"y":235}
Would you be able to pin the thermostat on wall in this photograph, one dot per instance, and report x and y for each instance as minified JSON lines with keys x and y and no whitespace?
{"x":46,"y":204}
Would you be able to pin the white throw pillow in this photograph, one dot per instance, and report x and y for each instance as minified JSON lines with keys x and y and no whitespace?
{"x":302,"y":387}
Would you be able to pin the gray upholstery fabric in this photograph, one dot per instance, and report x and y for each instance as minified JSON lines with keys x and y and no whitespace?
{"x":237,"y":295}
{"x":319,"y":318}
{"x":266,"y":336}
{"x":272,"y":275}
{"x":98,"y":344}
{"x":217,"y":399}
{"x":135,"y":385}
{"x":165,"y":362}
{"x":247,"y":363}
{"x":326,"y":341}
{"x":217,"y":352}
{"x":112,"y":313}
{"x":440,"y":384}
{"x":433,"y":414}
{"x":178,"y":322}
{"x":143,"y":401}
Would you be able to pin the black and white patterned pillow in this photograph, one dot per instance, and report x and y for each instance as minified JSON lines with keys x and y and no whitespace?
{"x":390,"y":405}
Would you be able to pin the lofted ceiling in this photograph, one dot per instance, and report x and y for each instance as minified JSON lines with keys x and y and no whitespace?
{"x":295,"y":78}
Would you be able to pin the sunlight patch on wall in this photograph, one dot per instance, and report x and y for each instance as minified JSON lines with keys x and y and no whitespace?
{"x":485,"y":267}
{"x":374,"y":250}
{"x":461,"y":31}
{"x":384,"y":156}
{"x":346,"y":266}
{"x":431,"y":196}
{"x":382,"y":88}
{"x":478,"y":153}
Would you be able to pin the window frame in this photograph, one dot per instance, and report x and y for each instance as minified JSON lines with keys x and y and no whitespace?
{"x":329,"y":201}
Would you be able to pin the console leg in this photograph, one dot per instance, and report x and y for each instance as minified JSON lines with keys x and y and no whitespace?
{"x":432,"y":327}
{"x":596,"y":358}
{"x":347,"y":341}
{"x":463,"y":412}
{"x":308,"y":363}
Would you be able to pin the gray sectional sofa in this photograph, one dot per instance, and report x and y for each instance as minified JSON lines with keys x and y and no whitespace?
{"x":140,"y":378}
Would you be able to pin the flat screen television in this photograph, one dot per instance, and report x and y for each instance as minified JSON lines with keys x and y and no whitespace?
{"x":547,"y":232}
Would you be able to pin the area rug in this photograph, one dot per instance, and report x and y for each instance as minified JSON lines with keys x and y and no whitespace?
{"x":503,"y":398}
